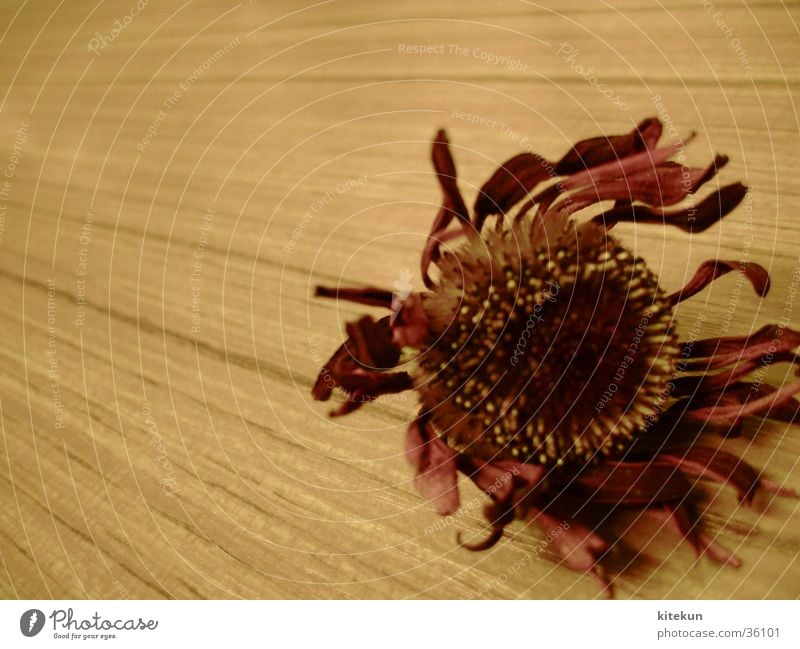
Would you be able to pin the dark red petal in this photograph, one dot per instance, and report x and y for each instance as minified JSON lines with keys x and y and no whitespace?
{"x":668,"y":432}
{"x":326,"y":379}
{"x":734,"y":396}
{"x":692,"y":219}
{"x":510,"y":184}
{"x":666,"y":184}
{"x":369,"y":296}
{"x":371,"y":343}
{"x":436,"y":470}
{"x":498,"y":515}
{"x":507,"y":483}
{"x":710,"y":270}
{"x":371,"y":386}
{"x":712,"y":170}
{"x":500,"y":480}
{"x":493,"y":480}
{"x":445,"y":168}
{"x":622,"y":167}
{"x":356,"y":364}
{"x":491,"y":539}
{"x":431,"y":251}
{"x":580,"y":547}
{"x":543,"y":200}
{"x":598,"y":150}
{"x":525,"y":475}
{"x":710,"y":384}
{"x":714,"y":464}
{"x":786,"y":410}
{"x":360,"y":386}
{"x":719,"y":352}
{"x":731,"y":407}
{"x":686,"y":525}
{"x":453,"y":205}
{"x":633,"y":483}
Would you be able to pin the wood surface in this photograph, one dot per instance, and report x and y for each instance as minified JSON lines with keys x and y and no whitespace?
{"x":172,"y":204}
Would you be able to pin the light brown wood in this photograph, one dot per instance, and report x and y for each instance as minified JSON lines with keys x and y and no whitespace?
{"x":151,"y":450}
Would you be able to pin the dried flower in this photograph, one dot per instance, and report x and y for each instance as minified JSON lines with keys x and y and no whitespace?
{"x":546,"y":357}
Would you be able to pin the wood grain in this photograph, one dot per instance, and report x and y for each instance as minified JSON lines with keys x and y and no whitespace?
{"x":159,"y":339}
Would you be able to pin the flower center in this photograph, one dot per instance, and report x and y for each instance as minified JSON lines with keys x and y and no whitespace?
{"x":545,"y":354}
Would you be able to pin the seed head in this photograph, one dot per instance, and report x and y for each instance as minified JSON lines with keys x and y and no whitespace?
{"x":544,"y":354}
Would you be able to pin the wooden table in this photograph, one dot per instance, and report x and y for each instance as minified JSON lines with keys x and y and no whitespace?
{"x":180,"y":176}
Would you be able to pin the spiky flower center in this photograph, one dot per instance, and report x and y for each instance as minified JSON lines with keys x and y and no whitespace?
{"x":545,"y":354}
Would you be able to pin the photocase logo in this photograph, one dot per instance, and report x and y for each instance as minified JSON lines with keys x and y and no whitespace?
{"x":31,"y":622}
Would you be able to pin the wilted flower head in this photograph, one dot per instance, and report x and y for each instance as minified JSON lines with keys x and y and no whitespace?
{"x":545,"y":354}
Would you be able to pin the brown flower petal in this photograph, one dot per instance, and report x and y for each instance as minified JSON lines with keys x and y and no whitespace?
{"x":633,"y":483}
{"x":732,"y":407}
{"x":445,"y":168}
{"x":715,"y":353}
{"x":369,"y":296}
{"x":710,"y":270}
{"x":356,"y":365}
{"x":712,"y":384}
{"x":686,"y":524}
{"x":453,"y":205}
{"x":580,"y":547}
{"x":598,"y":150}
{"x":622,"y":167}
{"x":692,"y":219}
{"x":508,"y":185}
{"x":666,"y":184}
{"x":499,"y":515}
{"x":371,"y":343}
{"x":436,"y":470}
{"x":714,"y":464}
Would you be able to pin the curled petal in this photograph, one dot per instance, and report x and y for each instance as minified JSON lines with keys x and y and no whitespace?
{"x":598,"y":150}
{"x":633,"y":483}
{"x":507,"y":484}
{"x":371,"y":343}
{"x":436,"y":470}
{"x":508,"y":185}
{"x":491,"y":539}
{"x":710,"y":270}
{"x":445,"y":168}
{"x":499,"y":516}
{"x":692,"y":219}
{"x":453,"y":205}
{"x":357,"y":364}
{"x":431,"y":251}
